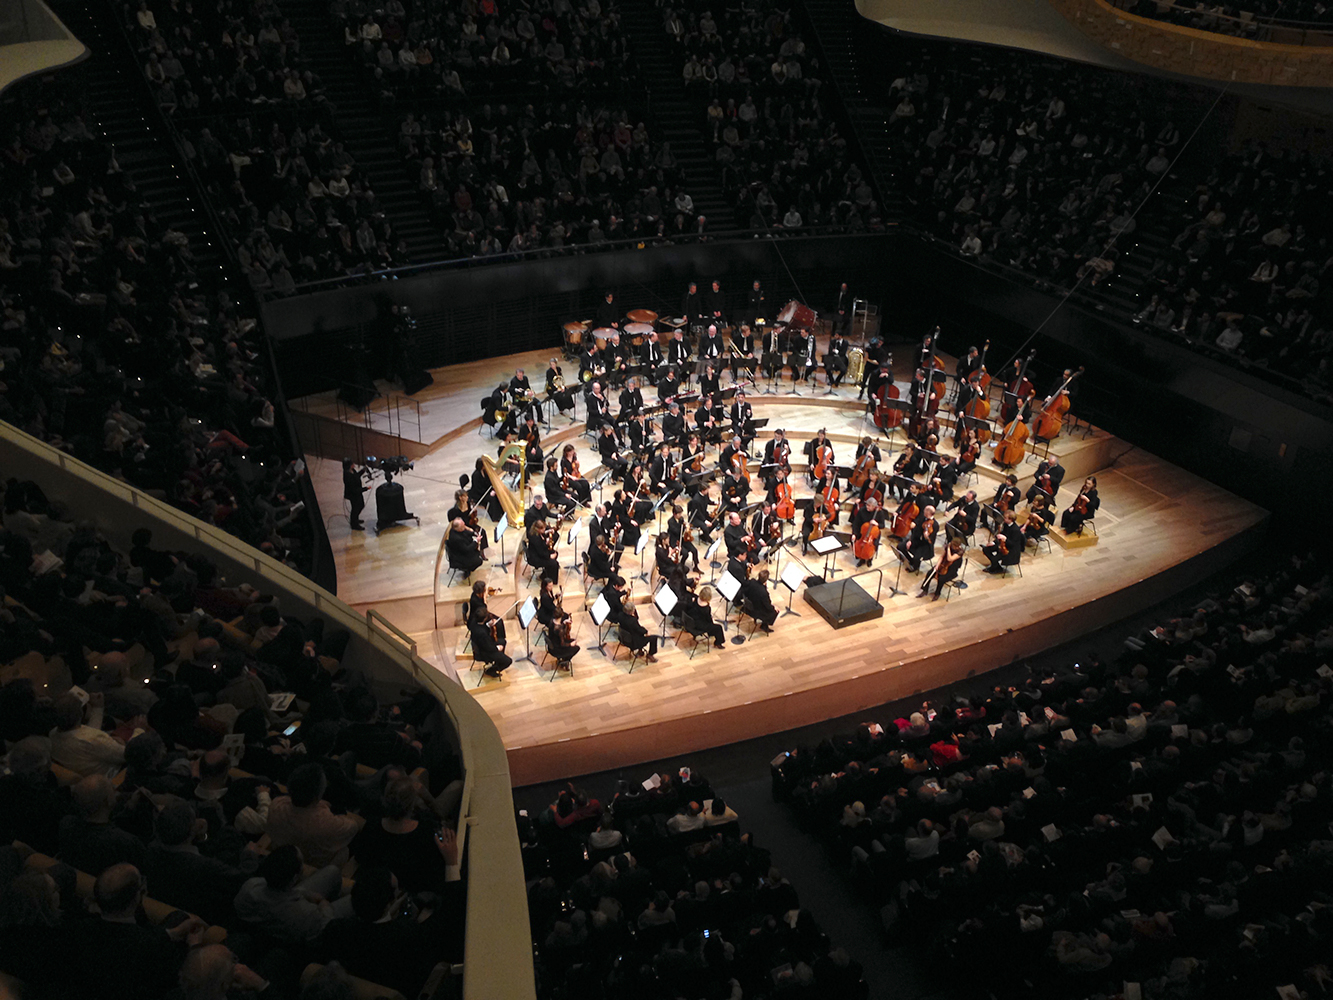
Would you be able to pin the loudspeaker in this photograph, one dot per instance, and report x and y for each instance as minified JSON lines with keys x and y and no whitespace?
{"x":416,"y":379}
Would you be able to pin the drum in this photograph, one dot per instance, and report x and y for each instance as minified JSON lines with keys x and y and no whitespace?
{"x":856,"y":365}
{"x":637,"y":332}
{"x":796,"y":314}
{"x":573,"y":337}
{"x":601,"y":335}
{"x":642,"y":316}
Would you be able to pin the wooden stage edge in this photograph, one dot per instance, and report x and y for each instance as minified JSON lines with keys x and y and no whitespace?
{"x":943,"y":666}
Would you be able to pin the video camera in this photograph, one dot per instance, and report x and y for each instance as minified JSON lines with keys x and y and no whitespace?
{"x":394,"y":465}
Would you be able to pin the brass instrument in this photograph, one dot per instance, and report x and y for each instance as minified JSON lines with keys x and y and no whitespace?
{"x":558,"y":383}
{"x":856,"y":364}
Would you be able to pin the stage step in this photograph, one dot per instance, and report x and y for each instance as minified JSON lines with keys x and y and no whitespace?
{"x":1068,"y":541}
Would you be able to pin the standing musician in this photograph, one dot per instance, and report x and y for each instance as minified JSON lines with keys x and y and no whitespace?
{"x":710,"y":349}
{"x":678,"y":352}
{"x":599,"y":409}
{"x":608,"y":313}
{"x":802,"y":356}
{"x":867,"y":512}
{"x":354,"y":490}
{"x":462,"y":548}
{"x":742,"y":343}
{"x":947,"y":569}
{"x":742,"y":419}
{"x":754,"y":304}
{"x":715,"y":304}
{"x":964,"y":520}
{"x":968,"y":390}
{"x":698,"y":616}
{"x":556,"y":388}
{"x":462,"y":510}
{"x":540,"y":552}
{"x":918,"y":393}
{"x":608,"y":447}
{"x":1039,"y":520}
{"x":765,"y":527}
{"x":919,"y":545}
{"x":626,"y":619}
{"x":680,"y":538}
{"x":754,"y":594}
{"x":877,"y":358}
{"x":488,"y":633}
{"x":650,"y":356}
{"x":968,"y":365}
{"x":835,"y":361}
{"x":571,"y":477}
{"x":1084,"y":506}
{"x":591,"y":363}
{"x":1006,"y":548}
{"x":710,"y":381}
{"x":631,"y":399}
{"x":771,"y":359}
{"x":1050,"y":474}
{"x":554,"y":485}
{"x":692,"y":305}
{"x":1006,"y":498}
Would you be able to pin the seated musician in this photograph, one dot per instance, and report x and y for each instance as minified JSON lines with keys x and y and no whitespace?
{"x":561,"y":646}
{"x":1012,"y":549}
{"x":867,"y":444}
{"x":571,"y":476}
{"x":663,"y":472}
{"x":539,"y":511}
{"x":919,"y":545}
{"x":626,"y":619}
{"x":599,"y":408}
{"x":553,"y":483}
{"x":947,"y":473}
{"x":754,"y":594}
{"x":624,"y":514}
{"x":608,"y":447}
{"x":591,"y":363}
{"x":710,"y":382}
{"x":710,"y":351}
{"x":835,"y":361}
{"x":875,"y":378}
{"x":673,"y":425}
{"x":742,"y":419}
{"x":555,"y":378}
{"x":932,"y":493}
{"x":735,"y":536}
{"x":1006,"y":498}
{"x":493,"y":407}
{"x":866,"y":513}
{"x":778,"y":450}
{"x":947,"y":569}
{"x":1072,"y":519}
{"x":874,"y":486}
{"x":698,"y":616}
{"x":631,"y":399}
{"x":666,"y":559}
{"x":463,"y":510}
{"x":520,"y":389}
{"x":617,"y":359}
{"x":650,"y":356}
{"x":540,"y":553}
{"x":679,"y":537}
{"x":1039,"y":520}
{"x":549,"y":609}
{"x":700,"y":518}
{"x":739,"y":565}
{"x":488,"y":633}
{"x":906,"y":467}
{"x":462,"y":548}
{"x":704,"y":424}
{"x":640,"y":434}
{"x":600,"y":558}
{"x":668,"y":385}
{"x":765,"y":526}
{"x":743,"y":361}
{"x":964,"y":520}
{"x":1047,"y":479}
{"x":735,"y":485}
{"x":814,"y":448}
{"x":733,"y":448}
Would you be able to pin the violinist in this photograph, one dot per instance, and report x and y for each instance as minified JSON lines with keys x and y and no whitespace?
{"x":550,"y":609}
{"x":553,"y":484}
{"x":681,"y":538}
{"x":532,"y":443}
{"x":710,"y":381}
{"x":1039,"y":520}
{"x":701,"y":518}
{"x":965,"y":512}
{"x":739,"y":565}
{"x":663,"y":472}
{"x":1006,"y":548}
{"x":556,"y":388}
{"x":623,"y":516}
{"x":765,"y":528}
{"x":868,"y":512}
{"x":571,"y":477}
{"x":947,"y":569}
{"x":539,"y":511}
{"x":600,"y":558}
{"x":540,"y":551}
{"x":599,"y":409}
{"x":754,"y":593}
{"x":906,"y":467}
{"x":692,"y":463}
{"x":919,"y":545}
{"x":710,"y":351}
{"x":932,"y":493}
{"x":968,"y":450}
{"x":462,"y":510}
{"x":1006,"y":498}
{"x":560,"y":644}
{"x":608,"y":447}
{"x":709,"y":429}
{"x":1050,"y":474}
{"x":488,"y":633}
{"x":734,"y":535}
{"x":698,"y":617}
{"x":947,"y":473}
{"x":665,"y":558}
{"x":742,"y":419}
{"x":835,"y":361}
{"x":650,"y":356}
{"x":736,"y":485}
{"x":626,"y":619}
{"x":631,"y":399}
{"x":1084,"y":507}
{"x":771,"y":359}
{"x":601,"y":522}
{"x":462,"y":549}
{"x":673,"y":424}
{"x":742,"y":343}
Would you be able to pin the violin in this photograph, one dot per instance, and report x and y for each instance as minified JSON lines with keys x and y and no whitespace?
{"x":1001,"y":543}
{"x":862,"y":469}
{"x":1052,"y":414}
{"x":1003,"y":499}
{"x":978,"y":408}
{"x":1017,"y":390}
{"x":866,"y":541}
{"x":1013,"y":442}
{"x":1081,"y":505}
{"x":906,"y":457}
{"x":902,"y":521}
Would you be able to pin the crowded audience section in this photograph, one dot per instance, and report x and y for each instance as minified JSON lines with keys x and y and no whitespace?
{"x":1258,"y":20}
{"x":1159,"y":817}
{"x":203,"y":791}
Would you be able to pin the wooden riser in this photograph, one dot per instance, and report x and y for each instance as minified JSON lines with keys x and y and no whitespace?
{"x":1067,"y":541}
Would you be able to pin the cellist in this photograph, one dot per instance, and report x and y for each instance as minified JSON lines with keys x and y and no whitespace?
{"x":815,"y":449}
{"x":919,"y":545}
{"x":908,"y":465}
{"x":868,"y":512}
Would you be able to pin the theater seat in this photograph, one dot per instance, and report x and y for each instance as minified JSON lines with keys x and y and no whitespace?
{"x":362,"y":989}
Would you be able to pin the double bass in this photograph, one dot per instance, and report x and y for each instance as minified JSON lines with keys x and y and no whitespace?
{"x":887,"y":417}
{"x":1017,"y":390}
{"x":1047,"y":424}
{"x":978,"y":408}
{"x":1012,"y":443}
{"x":931,"y":363}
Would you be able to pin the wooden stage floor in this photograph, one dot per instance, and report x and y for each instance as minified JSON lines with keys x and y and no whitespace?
{"x":1160,"y":528}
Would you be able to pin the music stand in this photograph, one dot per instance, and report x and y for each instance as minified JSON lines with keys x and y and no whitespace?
{"x":791,"y":579}
{"x":599,"y":610}
{"x":639,"y":546}
{"x":501,"y":527}
{"x":708,"y":557}
{"x":665,"y":600}
{"x":728,"y":586}
{"x":526,"y":612}
{"x":572,"y":538}
{"x":828,"y":546}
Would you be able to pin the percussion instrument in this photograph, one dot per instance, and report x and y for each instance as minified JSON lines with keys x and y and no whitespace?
{"x":638,"y":331}
{"x":856,"y":365}
{"x":577,"y":326}
{"x":797,"y":314}
{"x":601,"y":335}
{"x":574,"y":336}
{"x":675,"y":322}
{"x":642,"y":316}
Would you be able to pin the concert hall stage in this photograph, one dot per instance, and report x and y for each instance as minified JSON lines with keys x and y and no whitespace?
{"x":1159,"y":529}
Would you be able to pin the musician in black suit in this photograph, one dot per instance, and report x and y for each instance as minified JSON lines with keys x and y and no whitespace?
{"x":835,"y":361}
{"x":673,"y":425}
{"x":1072,"y":520}
{"x":663,"y":473}
{"x":698,"y":617}
{"x":742,"y":419}
{"x":919,"y":545}
{"x":608,"y":447}
{"x":965,"y":509}
{"x":488,"y":633}
{"x":771,"y":358}
{"x":462,"y":549}
{"x":708,"y":429}
{"x":519,"y":387}
{"x":640,"y":435}
{"x":1049,"y":467}
{"x":733,"y":448}
{"x":710,"y":348}
{"x":599,"y":410}
{"x":678,"y":352}
{"x":554,"y":487}
{"x":755,"y":595}
{"x":1013,"y":540}
{"x":354,"y":490}
{"x":631,"y":399}
{"x":802,"y":356}
{"x":968,"y":365}
{"x":755,"y":310}
{"x":710,"y":380}
{"x":735,"y":535}
{"x":764,"y":525}
{"x":715,"y":304}
{"x":692,"y":305}
{"x":608,"y":313}
{"x":591,"y":362}
{"x":743,"y":361}
{"x":576,"y":484}
{"x":1006,"y":497}
{"x":539,"y":554}
{"x":564,"y":398}
{"x":626,"y":620}
{"x":675,"y":531}
{"x":650,"y":356}
{"x":617,"y":358}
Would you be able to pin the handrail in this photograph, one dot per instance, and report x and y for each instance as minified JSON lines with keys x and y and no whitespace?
{"x":373,"y":617}
{"x":1257,"y":19}
{"x":435,"y":581}
{"x":879,"y":586}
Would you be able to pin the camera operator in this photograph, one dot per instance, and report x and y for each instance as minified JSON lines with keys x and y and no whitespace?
{"x":354,"y":490}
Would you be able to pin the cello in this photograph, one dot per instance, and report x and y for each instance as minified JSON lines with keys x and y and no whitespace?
{"x":978,"y":408}
{"x":907,"y":512}
{"x":1047,"y":424}
{"x":1018,"y":389}
{"x":784,"y":507}
{"x":867,"y":541}
{"x":1012,"y":444}
{"x":823,"y":456}
{"x":861,"y":471}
